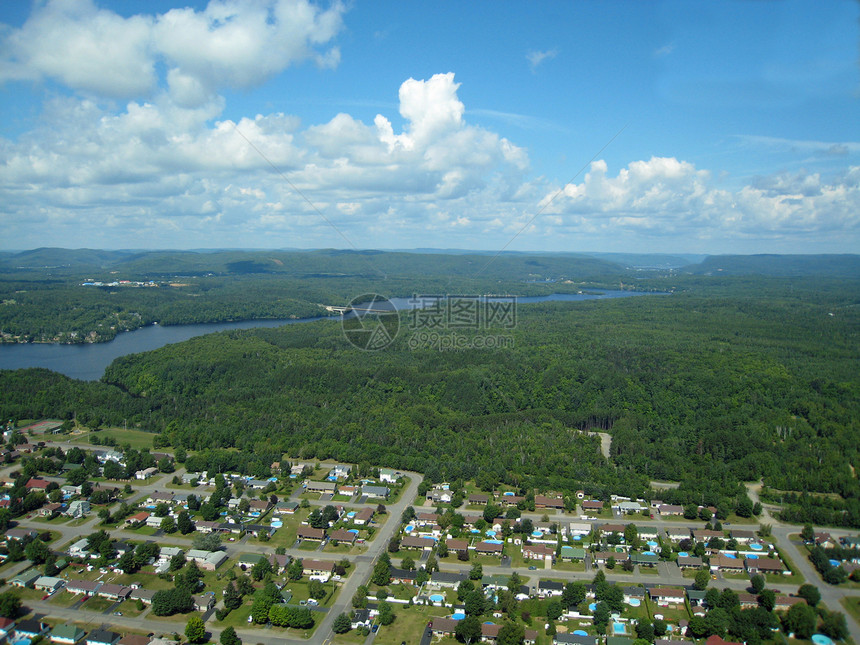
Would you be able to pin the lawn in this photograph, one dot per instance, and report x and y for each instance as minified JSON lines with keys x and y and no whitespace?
{"x":64,"y":599}
{"x":408,"y":625}
{"x":97,"y":604}
{"x":852,"y":606}
{"x":137,"y":439}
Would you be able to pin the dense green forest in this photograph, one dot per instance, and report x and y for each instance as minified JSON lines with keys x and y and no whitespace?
{"x":728,"y":380}
{"x":42,"y":298}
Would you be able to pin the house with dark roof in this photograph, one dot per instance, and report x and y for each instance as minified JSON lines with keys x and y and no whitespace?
{"x":103,"y":637}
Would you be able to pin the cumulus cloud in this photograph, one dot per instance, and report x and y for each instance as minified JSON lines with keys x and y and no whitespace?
{"x":235,"y":44}
{"x":667,"y":197}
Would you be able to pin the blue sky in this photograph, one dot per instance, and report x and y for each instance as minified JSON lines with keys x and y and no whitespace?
{"x":559,"y":126}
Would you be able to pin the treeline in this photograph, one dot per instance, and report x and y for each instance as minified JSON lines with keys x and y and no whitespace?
{"x":709,"y":391}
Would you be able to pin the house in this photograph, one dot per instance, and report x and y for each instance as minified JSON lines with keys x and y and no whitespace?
{"x":162,"y":497}
{"x":579,"y":528}
{"x":742,"y":535}
{"x":667,"y":596}
{"x":30,"y":629}
{"x":6,"y":627}
{"x":258,"y":484}
{"x":168,"y":552}
{"x":36,"y":483}
{"x":361,"y":618}
{"x":137,"y":518}
{"x":49,"y":510}
{"x":629,"y":507}
{"x":134,"y":639}
{"x":488,"y":548}
{"x":363,"y":516}
{"x":539,"y":552}
{"x":347,"y":537}
{"x":411,"y":542}
{"x":457,"y":545}
{"x":784,"y":603}
{"x":543,"y":501}
{"x":320,"y":487}
{"x":377,"y":492}
{"x":670,"y":509}
{"x":21,"y":534}
{"x":25,"y":579}
{"x":78,"y":508}
{"x":722,"y":562}
{"x":645,"y":559}
{"x":716,"y":640}
{"x":203,"y":601}
{"x":547,"y":588}
{"x":103,"y":637}
{"x":310,"y":533}
{"x":592,"y":506}
{"x":143,"y":595}
{"x":340,"y":471}
{"x":146,"y":473}
{"x":49,"y":583}
{"x":573,"y":639}
{"x":443,"y":627}
{"x":696,"y":597}
{"x":286,"y":507}
{"x":822,"y":539}
{"x":706,"y":535}
{"x":113,"y":591}
{"x":403,"y":576}
{"x":153,"y":521}
{"x":766,"y":565}
{"x":478,"y":499}
{"x":631,"y":593}
{"x":689,"y":562}
{"x":279,"y":562}
{"x":572,"y":553}
{"x":446,"y":579}
{"x":82,"y":587}
{"x":320,"y":569}
{"x":678,"y":533}
{"x":388,"y":475}
{"x":67,"y":634}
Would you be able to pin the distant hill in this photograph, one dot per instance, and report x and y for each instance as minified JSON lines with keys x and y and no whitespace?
{"x":651,"y":260}
{"x":842,"y":266}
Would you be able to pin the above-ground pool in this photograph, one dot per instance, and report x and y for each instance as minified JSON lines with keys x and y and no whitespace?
{"x":618,"y":628}
{"x":592,"y":606}
{"x":475,"y":531}
{"x":276,"y":524}
{"x":821,"y":639}
{"x":752,"y":556}
{"x":577,"y":538}
{"x":580,"y":632}
{"x":756,"y":547}
{"x":437,"y":597}
{"x":491,"y":534}
{"x":458,"y":616}
{"x":537,"y":533}
{"x":508,"y":493}
{"x":351,"y":514}
{"x":835,"y":563}
{"x":634,"y":602}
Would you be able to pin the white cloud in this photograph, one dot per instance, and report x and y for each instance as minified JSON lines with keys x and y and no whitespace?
{"x":535,"y":58}
{"x":230,"y":43}
{"x":665,"y":50}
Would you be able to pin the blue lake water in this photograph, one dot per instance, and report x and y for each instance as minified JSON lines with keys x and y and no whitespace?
{"x":88,"y":362}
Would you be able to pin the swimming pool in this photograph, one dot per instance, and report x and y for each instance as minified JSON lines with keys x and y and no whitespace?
{"x":580,"y":632}
{"x":648,"y":553}
{"x":437,"y":597}
{"x":410,"y":528}
{"x":821,"y":639}
{"x":276,"y":524}
{"x":634,"y":602}
{"x":458,"y":616}
{"x":351,"y":514}
{"x":756,"y":547}
{"x":683,"y":554}
{"x":592,"y":606}
{"x":618,"y":629}
{"x":491,"y":534}
{"x":752,"y":556}
{"x":494,"y":541}
{"x":537,"y":533}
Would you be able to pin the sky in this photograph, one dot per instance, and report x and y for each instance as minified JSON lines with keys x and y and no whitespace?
{"x":671,"y":127}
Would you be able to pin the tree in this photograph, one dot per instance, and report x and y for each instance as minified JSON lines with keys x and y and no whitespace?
{"x":260,"y":569}
{"x":757,"y":583}
{"x":767,"y":599}
{"x":229,"y":637}
{"x":744,"y":507}
{"x":717,"y":621}
{"x":295,"y":569}
{"x":601,"y":616}
{"x":834,"y":625}
{"x":232,"y":597}
{"x":810,"y":594}
{"x":359,"y":598}
{"x":464,"y":589}
{"x":342,"y":624}
{"x":37,"y":551}
{"x":168,"y":525}
{"x":207,"y":542}
{"x":10,"y":604}
{"x":167,"y":602}
{"x":701,"y":580}
{"x":469,"y":629}
{"x":477,"y":571}
{"x":511,"y":634}
{"x":184,"y":523}
{"x":807,"y":533}
{"x":386,"y":615}
{"x":645,"y":630}
{"x":407,"y":563}
{"x":381,"y":571}
{"x":801,"y":620}
{"x":316,"y":590}
{"x":195,"y":630}
{"x":573,"y":594}
{"x":442,"y":549}
{"x":475,"y":603}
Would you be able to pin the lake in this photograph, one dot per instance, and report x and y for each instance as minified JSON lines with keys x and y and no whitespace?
{"x":88,"y":361}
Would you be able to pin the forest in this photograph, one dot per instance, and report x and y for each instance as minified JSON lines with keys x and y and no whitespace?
{"x":726,"y":380}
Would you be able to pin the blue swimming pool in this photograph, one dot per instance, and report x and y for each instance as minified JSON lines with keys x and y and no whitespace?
{"x":618,"y":629}
{"x":458,"y":615}
{"x":409,"y":528}
{"x":821,"y":639}
{"x":756,"y":547}
{"x":494,"y":541}
{"x":580,"y":632}
{"x":437,"y":597}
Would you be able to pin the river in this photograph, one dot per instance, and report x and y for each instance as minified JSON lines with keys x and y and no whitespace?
{"x":88,"y":362}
